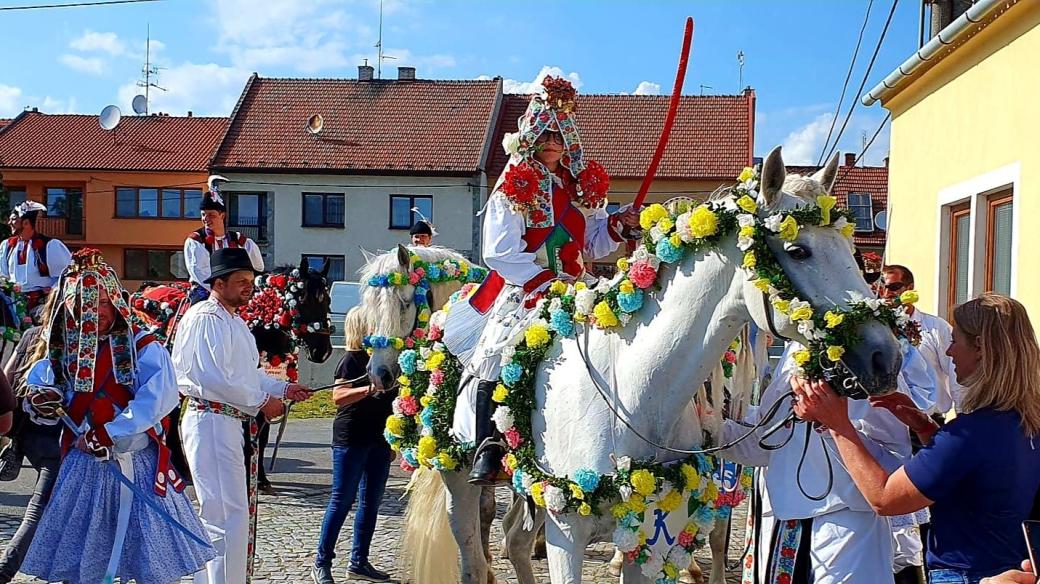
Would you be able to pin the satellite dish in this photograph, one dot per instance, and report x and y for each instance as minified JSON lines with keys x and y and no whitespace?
{"x":315,"y":123}
{"x":881,"y":220}
{"x":109,"y":117}
{"x":140,"y":104}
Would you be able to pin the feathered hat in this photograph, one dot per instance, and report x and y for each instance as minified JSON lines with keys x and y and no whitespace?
{"x":211,"y":199}
{"x":423,"y":226}
{"x":27,"y":210}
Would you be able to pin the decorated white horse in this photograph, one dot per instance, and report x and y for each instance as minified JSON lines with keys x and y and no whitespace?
{"x":606,"y":385}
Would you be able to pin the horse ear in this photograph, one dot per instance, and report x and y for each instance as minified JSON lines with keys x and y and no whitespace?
{"x":304,"y":266}
{"x":325,"y":268}
{"x":772,"y":179}
{"x":403,"y":257}
{"x":828,"y":174}
{"x":369,"y":256}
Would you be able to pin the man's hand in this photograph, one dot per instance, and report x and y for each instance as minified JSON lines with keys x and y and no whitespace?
{"x":297,"y":392}
{"x":93,"y":443}
{"x":1023,"y":576}
{"x":46,"y":403}
{"x":272,"y":408}
{"x":629,"y":218}
{"x":817,"y":402}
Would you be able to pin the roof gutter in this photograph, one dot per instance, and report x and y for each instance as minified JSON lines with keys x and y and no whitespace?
{"x":954,"y":32}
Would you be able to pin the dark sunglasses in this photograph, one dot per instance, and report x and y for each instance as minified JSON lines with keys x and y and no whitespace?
{"x":895,"y":286}
{"x":550,"y":137}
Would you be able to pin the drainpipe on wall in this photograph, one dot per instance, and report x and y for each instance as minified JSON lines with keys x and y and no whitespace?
{"x":476,"y":191}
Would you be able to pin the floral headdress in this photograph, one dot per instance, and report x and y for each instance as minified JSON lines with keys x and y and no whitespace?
{"x":526,"y":182}
{"x":73,"y":330}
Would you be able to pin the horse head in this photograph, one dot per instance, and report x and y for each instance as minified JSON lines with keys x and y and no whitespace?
{"x":821,"y":265}
{"x":314,"y":307}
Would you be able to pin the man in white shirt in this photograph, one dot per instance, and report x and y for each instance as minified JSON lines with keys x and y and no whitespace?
{"x":216,"y":362}
{"x":30,"y":258}
{"x":213,"y":235}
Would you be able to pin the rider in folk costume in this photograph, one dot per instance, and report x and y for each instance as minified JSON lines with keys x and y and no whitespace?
{"x":30,"y":258}
{"x":115,"y":384}
{"x":215,"y":358}
{"x":546,"y":216}
{"x":422,"y":233}
{"x":213,"y":235}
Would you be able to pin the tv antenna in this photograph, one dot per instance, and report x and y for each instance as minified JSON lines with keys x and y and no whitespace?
{"x":149,"y":71}
{"x":740,"y":69}
{"x":703,"y":87}
{"x":379,"y":45}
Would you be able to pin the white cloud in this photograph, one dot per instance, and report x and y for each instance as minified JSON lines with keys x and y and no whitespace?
{"x":647,"y":88}
{"x":105,"y":42}
{"x":802,"y":146}
{"x":222,"y":87}
{"x":53,"y":105}
{"x":89,"y":65}
{"x":11,"y":101}
{"x":535,"y":86}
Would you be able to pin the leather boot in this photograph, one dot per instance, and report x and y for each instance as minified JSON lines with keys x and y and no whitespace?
{"x":487,"y":462}
{"x":910,"y":575}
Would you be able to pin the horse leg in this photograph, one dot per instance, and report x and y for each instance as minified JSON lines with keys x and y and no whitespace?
{"x":464,"y":516}
{"x":717,"y":543}
{"x":616,"y":563}
{"x":539,"y":544}
{"x":518,"y":541}
{"x":487,"y":516}
{"x":566,"y":538}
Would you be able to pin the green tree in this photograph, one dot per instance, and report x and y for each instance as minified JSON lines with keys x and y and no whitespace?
{"x":5,"y":207}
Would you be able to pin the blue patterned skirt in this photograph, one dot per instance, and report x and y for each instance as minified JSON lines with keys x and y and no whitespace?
{"x":74,"y":540}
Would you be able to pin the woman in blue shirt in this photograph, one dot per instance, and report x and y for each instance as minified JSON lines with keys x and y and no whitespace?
{"x":979,"y":473}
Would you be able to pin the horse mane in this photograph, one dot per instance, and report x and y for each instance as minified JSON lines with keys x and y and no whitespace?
{"x":386,"y":262}
{"x":802,"y":187}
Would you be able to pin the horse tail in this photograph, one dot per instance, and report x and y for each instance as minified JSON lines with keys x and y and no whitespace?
{"x":428,"y":553}
{"x":745,"y":374}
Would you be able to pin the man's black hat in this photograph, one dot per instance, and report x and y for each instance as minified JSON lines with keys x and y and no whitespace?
{"x":229,"y":260}
{"x":212,"y":202}
{"x":421,"y":228}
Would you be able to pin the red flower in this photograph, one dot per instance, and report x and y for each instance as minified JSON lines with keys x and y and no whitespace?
{"x":538,"y":216}
{"x":595,"y":182}
{"x":560,"y":91}
{"x":84,"y":373}
{"x":89,"y":281}
{"x":89,"y":326}
{"x":275,"y":361}
{"x":521,"y":185}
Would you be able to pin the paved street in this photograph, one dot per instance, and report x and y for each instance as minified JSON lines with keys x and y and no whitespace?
{"x":290,"y":521}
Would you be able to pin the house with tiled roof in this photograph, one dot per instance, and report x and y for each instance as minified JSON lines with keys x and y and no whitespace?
{"x":333,"y":165}
{"x":132,"y":192}
{"x":712,"y":140}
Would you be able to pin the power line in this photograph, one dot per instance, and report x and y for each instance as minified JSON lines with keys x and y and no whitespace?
{"x":845,"y":86}
{"x":866,"y":147}
{"x":863,"y":83}
{"x":74,"y":4}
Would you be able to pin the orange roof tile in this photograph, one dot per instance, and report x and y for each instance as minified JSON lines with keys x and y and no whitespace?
{"x":872,"y":180}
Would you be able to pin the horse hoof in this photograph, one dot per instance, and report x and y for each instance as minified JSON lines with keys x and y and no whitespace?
{"x":685,"y":577}
{"x":614,"y":569}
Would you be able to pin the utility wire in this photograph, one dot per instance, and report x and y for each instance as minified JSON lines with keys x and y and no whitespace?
{"x":845,"y":170}
{"x":845,"y":86}
{"x":863,"y":83}
{"x":74,"y":4}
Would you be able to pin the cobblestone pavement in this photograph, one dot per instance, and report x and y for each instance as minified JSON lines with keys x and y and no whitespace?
{"x":290,"y":521}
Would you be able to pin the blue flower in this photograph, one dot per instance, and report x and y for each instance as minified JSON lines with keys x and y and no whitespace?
{"x":704,"y":465}
{"x":433,"y":273}
{"x":724,"y":512}
{"x":587,"y":479}
{"x":561,"y":322}
{"x":407,"y":361}
{"x":511,"y":374}
{"x":390,"y":438}
{"x":518,"y":481}
{"x":426,"y":416}
{"x":667,"y":252}
{"x":630,"y":302}
{"x":409,"y":456}
{"x":704,"y":514}
{"x":630,"y":520}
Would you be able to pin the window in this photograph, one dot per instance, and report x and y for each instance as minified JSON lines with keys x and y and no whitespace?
{"x":247,"y":214}
{"x":862,"y":208}
{"x":147,"y":203}
{"x":960,"y":250}
{"x":401,"y":214}
{"x":998,"y":242}
{"x":63,"y":202}
{"x":323,"y":209}
{"x":16,"y":197}
{"x":337,"y":271}
{"x":149,"y":264}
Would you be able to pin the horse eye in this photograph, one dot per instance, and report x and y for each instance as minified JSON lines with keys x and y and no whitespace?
{"x":798,"y":252}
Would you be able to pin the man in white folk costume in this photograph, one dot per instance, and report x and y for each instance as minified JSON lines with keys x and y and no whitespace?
{"x":546,"y":216}
{"x":216,"y":361}
{"x":30,"y":258}
{"x":422,"y":233}
{"x":213,"y":235}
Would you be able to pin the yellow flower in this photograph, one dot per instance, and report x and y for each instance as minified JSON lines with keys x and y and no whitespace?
{"x":404,"y":380}
{"x":803,"y":313}
{"x":463,"y":267}
{"x":536,"y":336}
{"x":671,"y":501}
{"x":747,"y":204}
{"x":405,"y":391}
{"x":576,"y":492}
{"x":909,"y":297}
{"x":538,"y":494}
{"x":747,"y":174}
{"x":735,"y":344}
{"x":710,"y":492}
{"x":427,"y":447}
{"x":802,"y":357}
{"x":848,"y":230}
{"x":433,"y":362}
{"x":637,"y":504}
{"x":447,"y":461}
{"x":622,"y":264}
{"x":511,"y":461}
{"x":749,"y":260}
{"x":643,"y":482}
{"x":826,"y":203}
{"x":703,"y":222}
{"x":788,"y":229}
{"x":675,"y":240}
{"x":651,"y":215}
{"x":665,"y":225}
{"x":670,"y":571}
{"x":784,"y":306}
{"x":605,"y":317}
{"x":762,"y":284}
{"x":558,"y":287}
{"x":585,"y":510}
{"x":747,"y":231}
{"x":580,"y":286}
{"x":426,"y":400}
{"x":501,"y":393}
{"x":746,"y":480}
{"x":693,"y":480}
{"x":833,"y":318}
{"x":395,"y":425}
{"x":642,"y":538}
{"x":397,"y":343}
{"x":834,"y":352}
{"x":626,"y":287}
{"x":619,"y":510}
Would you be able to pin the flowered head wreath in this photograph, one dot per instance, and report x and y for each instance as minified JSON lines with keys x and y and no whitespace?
{"x":73,"y":335}
{"x":526,"y":182}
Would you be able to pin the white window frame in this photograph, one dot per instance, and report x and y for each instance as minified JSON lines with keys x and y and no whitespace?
{"x":976,"y":191}
{"x":870,"y":213}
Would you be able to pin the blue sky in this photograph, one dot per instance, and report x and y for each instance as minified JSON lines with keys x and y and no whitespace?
{"x":797,"y":53}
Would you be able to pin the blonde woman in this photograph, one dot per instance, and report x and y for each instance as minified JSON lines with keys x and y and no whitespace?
{"x":979,"y":473}
{"x":360,"y":459}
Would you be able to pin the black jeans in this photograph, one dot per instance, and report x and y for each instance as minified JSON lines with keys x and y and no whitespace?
{"x":41,"y":448}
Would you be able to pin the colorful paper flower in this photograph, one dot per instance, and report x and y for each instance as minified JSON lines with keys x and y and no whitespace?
{"x":667,"y":252}
{"x":521,"y":185}
{"x":586,"y":479}
{"x":642,"y":274}
{"x":605,"y":317}
{"x":537,"y":335}
{"x":835,"y":352}
{"x":651,"y":215}
{"x":703,"y":222}
{"x":500,"y":394}
{"x":561,"y":322}
{"x":747,"y":204}
{"x":788,"y":229}
{"x":802,"y":356}
{"x":909,"y":297}
{"x":643,"y":482}
{"x":511,"y":374}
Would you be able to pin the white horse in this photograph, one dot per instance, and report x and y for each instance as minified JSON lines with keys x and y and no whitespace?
{"x":677,"y":339}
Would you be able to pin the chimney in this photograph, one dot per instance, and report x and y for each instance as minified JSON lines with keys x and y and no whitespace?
{"x":365,"y":72}
{"x":189,"y":113}
{"x":406,"y":73}
{"x":850,"y":159}
{"x":886,"y":162}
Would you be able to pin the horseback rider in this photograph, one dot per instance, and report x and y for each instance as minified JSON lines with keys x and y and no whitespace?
{"x":422,"y":233}
{"x":30,"y":258}
{"x":213,"y":235}
{"x":546,"y":215}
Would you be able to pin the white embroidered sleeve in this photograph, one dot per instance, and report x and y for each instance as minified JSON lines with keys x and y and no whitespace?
{"x":58,"y":257}
{"x":155,"y":396}
{"x":202,"y":359}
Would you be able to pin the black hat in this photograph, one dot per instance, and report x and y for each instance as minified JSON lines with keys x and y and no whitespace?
{"x":421,"y":228}
{"x":212,"y":202}
{"x":229,"y":260}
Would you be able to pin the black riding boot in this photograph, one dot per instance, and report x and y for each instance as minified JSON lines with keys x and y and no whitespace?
{"x":487,"y":462}
{"x":910,"y":575}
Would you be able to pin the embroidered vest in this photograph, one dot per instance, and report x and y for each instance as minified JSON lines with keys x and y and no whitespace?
{"x":39,"y":243}
{"x":563,"y":242}
{"x":233,"y":238}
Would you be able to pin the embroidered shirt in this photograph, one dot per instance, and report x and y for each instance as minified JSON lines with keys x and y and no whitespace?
{"x":27,"y":272}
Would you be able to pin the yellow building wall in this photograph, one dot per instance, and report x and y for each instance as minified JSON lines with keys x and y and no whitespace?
{"x":975,"y":112}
